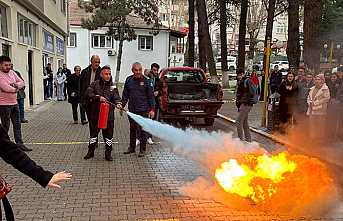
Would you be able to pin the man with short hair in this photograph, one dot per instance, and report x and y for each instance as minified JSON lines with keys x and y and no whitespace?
{"x":88,"y":76}
{"x":67,"y":73}
{"x":10,"y":84}
{"x":275,"y":79}
{"x":100,"y":91}
{"x":139,"y":95}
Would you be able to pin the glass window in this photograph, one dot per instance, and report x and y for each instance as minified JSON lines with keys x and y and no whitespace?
{"x":72,"y":39}
{"x":3,"y":22}
{"x":145,"y":43}
{"x":108,"y":42}
{"x":95,"y":41}
{"x":102,"y":41}
{"x":26,"y":31}
{"x":184,"y":76}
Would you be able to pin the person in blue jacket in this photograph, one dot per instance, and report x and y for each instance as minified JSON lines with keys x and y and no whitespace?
{"x":139,"y":95}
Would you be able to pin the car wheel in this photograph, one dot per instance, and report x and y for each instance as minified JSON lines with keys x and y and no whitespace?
{"x":209,"y":121}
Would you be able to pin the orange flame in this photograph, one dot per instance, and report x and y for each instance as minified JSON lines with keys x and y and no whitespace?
{"x":256,"y":178}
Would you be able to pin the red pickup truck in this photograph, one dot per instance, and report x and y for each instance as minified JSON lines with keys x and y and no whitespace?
{"x":185,"y":95}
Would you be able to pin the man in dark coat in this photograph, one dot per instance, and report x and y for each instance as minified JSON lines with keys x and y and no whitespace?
{"x":139,"y":95}
{"x":275,"y":79}
{"x":50,"y":79}
{"x":74,"y":94}
{"x":101,"y":90}
{"x":67,"y":73}
{"x":88,"y":76}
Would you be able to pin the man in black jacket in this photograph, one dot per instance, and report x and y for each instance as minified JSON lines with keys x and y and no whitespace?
{"x":100,"y":91}
{"x":244,"y":103}
{"x":88,"y":76}
{"x":67,"y":73}
{"x":139,"y":94}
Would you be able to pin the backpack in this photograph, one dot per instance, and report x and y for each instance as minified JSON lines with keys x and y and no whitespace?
{"x":253,"y":90}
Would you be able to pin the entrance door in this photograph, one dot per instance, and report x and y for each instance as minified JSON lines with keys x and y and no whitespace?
{"x":29,"y":71}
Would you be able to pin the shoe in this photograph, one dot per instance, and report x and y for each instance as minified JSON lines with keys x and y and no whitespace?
{"x":84,"y":122}
{"x":129,"y":151}
{"x":89,"y":155}
{"x":76,"y":122}
{"x":24,"y":148}
{"x":24,"y":121}
{"x":137,"y":142}
{"x":141,"y":154}
{"x":108,"y":156}
{"x":149,"y":141}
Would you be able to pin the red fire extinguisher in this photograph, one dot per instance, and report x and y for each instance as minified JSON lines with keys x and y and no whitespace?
{"x":103,"y":115}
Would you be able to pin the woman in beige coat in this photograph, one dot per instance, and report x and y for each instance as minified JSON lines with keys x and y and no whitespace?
{"x":318,"y":100}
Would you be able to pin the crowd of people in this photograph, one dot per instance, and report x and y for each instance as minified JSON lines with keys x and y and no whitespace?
{"x":308,"y":100}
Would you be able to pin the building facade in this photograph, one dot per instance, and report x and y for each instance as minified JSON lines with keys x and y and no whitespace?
{"x":33,"y":33}
{"x":148,"y":48}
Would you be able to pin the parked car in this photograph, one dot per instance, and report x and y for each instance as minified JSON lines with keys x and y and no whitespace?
{"x":186,"y":95}
{"x":282,"y":65}
{"x":231,"y":63}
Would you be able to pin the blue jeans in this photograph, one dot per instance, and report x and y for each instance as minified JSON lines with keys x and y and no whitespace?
{"x":10,"y":113}
{"x":50,"y":89}
{"x":21,"y":105}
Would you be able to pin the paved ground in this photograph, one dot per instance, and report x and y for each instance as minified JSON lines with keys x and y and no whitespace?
{"x":129,"y":188}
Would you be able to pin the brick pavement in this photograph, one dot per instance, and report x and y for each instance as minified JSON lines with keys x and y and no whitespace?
{"x":129,"y":188}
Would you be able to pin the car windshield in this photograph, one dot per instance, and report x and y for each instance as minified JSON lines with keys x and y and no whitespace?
{"x":184,"y":76}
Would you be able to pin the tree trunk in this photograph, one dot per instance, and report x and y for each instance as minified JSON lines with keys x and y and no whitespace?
{"x":293,"y":45}
{"x":252,"y":46}
{"x":204,"y":30}
{"x":191,"y":23}
{"x":223,"y":43}
{"x":120,"y":53}
{"x":312,"y":16}
{"x":242,"y":33}
{"x":201,"y":45}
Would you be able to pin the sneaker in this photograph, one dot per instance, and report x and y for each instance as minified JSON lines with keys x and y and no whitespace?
{"x":137,"y":142}
{"x":24,"y":121}
{"x":84,"y":122}
{"x":149,"y":141}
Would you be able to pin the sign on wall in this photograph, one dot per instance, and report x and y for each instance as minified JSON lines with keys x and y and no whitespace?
{"x":48,"y":41}
{"x":59,"y":46}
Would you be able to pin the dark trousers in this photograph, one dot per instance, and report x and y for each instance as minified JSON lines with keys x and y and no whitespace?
{"x":21,"y":105}
{"x":107,"y":134}
{"x":65,"y":91}
{"x":74,"y":107}
{"x":136,"y":132}
{"x":11,"y":113}
{"x":50,"y":89}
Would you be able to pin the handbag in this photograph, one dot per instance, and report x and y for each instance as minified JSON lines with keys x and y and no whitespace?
{"x":5,"y":188}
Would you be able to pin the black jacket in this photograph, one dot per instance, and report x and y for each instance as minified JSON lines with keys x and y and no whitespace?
{"x":67,"y":72}
{"x":13,"y":155}
{"x":92,"y":96}
{"x":244,"y":93}
{"x":139,"y":94}
{"x":73,"y":86}
{"x":85,"y":80}
{"x":21,"y":92}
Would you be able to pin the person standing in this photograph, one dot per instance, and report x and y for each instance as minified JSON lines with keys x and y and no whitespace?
{"x":288,"y":97}
{"x":21,"y":99}
{"x":318,"y":100}
{"x":50,"y":81}
{"x":10,"y":84}
{"x":67,"y":73}
{"x":244,"y":102}
{"x":74,"y":94}
{"x":275,"y":80}
{"x":101,"y":91}
{"x":59,"y":81}
{"x":88,"y":76}
{"x":139,"y":95}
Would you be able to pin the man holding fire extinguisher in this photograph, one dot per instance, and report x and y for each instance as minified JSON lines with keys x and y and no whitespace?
{"x":140,"y":96}
{"x":101,"y":91}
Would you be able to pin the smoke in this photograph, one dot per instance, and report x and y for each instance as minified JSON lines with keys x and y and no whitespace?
{"x":309,"y":191}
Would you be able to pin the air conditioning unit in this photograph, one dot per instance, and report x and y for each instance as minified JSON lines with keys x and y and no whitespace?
{"x":111,"y":53}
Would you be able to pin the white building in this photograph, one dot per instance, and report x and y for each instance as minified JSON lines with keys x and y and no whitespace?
{"x":32,"y":33}
{"x":146,"y":49}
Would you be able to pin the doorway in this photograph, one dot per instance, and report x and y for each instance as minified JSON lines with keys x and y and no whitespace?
{"x":29,"y":71}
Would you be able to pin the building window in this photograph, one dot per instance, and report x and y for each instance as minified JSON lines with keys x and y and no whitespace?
{"x":3,"y":22}
{"x":26,"y":31}
{"x":63,"y":6}
{"x":102,"y":41}
{"x":145,"y":43}
{"x":72,"y":39}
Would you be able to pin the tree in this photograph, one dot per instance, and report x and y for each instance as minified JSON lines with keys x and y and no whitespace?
{"x":205,"y":45}
{"x":242,"y":33}
{"x":191,"y":33}
{"x":312,"y":46}
{"x":115,"y":16}
{"x":293,"y":45}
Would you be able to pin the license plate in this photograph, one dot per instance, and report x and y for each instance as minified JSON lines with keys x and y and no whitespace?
{"x":191,"y":107}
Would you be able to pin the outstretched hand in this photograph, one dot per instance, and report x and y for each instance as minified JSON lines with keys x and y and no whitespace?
{"x":59,"y":177}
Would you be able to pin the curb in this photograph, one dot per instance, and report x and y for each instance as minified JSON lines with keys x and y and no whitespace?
{"x":40,"y":107}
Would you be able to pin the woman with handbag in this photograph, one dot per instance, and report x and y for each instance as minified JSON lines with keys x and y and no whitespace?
{"x":12,"y":154}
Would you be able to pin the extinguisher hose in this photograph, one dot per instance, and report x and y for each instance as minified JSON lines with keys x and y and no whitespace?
{"x":114,"y":105}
